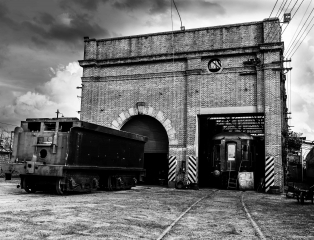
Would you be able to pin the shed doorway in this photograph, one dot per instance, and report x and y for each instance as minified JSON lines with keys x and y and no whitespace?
{"x":155,"y":150}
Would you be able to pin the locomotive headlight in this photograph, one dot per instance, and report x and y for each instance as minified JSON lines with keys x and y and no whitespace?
{"x":216,"y":173}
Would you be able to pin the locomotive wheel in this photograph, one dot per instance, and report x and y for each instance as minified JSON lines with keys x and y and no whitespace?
{"x":59,"y":187}
{"x":28,"y":187}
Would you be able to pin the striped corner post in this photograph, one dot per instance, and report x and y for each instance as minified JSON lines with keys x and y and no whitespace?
{"x":172,"y":168}
{"x":192,"y":169}
{"x":269,"y":173}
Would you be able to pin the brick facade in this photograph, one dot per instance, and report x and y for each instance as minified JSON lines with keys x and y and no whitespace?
{"x":168,"y":72}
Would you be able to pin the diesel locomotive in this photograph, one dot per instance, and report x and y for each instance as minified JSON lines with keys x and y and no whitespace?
{"x":232,"y":153}
{"x":66,"y":154}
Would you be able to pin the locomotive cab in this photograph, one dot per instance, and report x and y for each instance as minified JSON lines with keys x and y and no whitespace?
{"x":232,"y":153}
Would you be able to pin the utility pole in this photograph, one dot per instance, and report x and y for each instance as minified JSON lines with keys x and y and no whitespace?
{"x":57,"y":112}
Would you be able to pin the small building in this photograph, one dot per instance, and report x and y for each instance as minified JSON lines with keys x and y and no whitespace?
{"x":181,"y":88}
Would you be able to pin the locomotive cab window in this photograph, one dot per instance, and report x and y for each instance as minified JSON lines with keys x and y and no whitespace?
{"x":50,"y":126}
{"x":65,"y":126}
{"x":34,"y":126}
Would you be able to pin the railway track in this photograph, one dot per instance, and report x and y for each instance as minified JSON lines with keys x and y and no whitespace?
{"x":257,"y":230}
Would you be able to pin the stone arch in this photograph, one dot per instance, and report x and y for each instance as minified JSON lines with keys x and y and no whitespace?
{"x":142,"y":110}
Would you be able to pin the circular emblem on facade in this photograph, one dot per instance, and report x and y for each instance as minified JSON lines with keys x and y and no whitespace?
{"x":214,"y":65}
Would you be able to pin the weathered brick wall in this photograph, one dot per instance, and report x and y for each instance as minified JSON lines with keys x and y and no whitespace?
{"x":120,"y":72}
{"x":204,"y":39}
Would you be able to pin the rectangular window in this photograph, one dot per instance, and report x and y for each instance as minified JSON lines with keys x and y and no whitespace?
{"x":50,"y":126}
{"x":231,"y":152}
{"x":65,"y":126}
{"x":231,"y":156}
{"x":34,"y":126}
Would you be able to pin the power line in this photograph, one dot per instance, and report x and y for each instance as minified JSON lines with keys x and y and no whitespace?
{"x":302,"y":40}
{"x":267,"y":34}
{"x":300,"y":21}
{"x":273,"y":9}
{"x":279,"y":8}
{"x":298,"y":7}
{"x":279,"y":11}
{"x":288,"y":6}
{"x":299,"y":32}
{"x":303,"y":33}
{"x":174,"y":3}
{"x":293,"y":14}
{"x":282,"y":8}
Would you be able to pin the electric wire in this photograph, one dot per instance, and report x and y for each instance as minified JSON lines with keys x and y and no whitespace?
{"x":279,"y":8}
{"x":302,"y":40}
{"x":299,"y":31}
{"x":297,"y":8}
{"x":174,"y":3}
{"x":300,"y":21}
{"x":304,"y":33}
{"x":273,"y":9}
{"x":293,"y":15}
{"x":279,"y":11}
{"x":282,"y":19}
{"x":282,"y":8}
{"x":294,"y":43}
{"x":287,"y":8}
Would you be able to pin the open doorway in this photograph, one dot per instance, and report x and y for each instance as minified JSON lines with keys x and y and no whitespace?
{"x":155,"y":150}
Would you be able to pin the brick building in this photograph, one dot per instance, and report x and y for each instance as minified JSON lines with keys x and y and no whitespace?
{"x":181,"y":88}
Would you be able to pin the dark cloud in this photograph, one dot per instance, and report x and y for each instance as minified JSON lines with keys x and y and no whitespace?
{"x":164,"y":6}
{"x":44,"y":18}
{"x":78,"y":26}
{"x":44,"y":30}
{"x":89,"y":5}
{"x":3,"y":10}
{"x":151,"y":6}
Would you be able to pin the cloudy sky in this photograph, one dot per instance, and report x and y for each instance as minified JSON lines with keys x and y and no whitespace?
{"x":42,"y":40}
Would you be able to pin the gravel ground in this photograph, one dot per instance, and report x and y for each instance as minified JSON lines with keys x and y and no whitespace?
{"x":280,"y":217}
{"x":145,"y":212}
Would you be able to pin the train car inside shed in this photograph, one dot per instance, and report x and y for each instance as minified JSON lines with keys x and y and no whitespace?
{"x":231,"y":146}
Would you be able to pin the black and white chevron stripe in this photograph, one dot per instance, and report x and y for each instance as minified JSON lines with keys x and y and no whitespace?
{"x":269,"y":173}
{"x":172,"y":168}
{"x":192,"y":169}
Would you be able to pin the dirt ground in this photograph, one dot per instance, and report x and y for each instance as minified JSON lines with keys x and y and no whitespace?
{"x":145,"y":212}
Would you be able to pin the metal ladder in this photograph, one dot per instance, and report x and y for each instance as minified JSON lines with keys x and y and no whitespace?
{"x":233,"y":181}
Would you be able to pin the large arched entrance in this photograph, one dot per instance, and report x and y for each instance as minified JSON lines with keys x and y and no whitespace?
{"x":156,"y":148}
